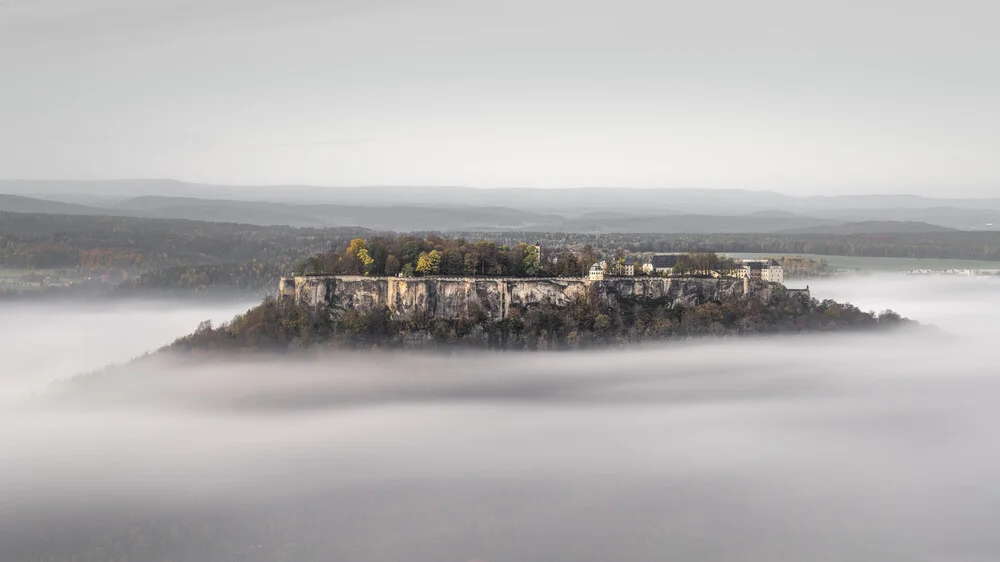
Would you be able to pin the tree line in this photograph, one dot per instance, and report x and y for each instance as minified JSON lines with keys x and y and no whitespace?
{"x":436,"y":255}
{"x":255,"y":277}
{"x":410,"y":256}
{"x":140,"y":244}
{"x":941,"y":245}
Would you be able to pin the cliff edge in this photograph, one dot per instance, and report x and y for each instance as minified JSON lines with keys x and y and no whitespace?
{"x":450,"y":297}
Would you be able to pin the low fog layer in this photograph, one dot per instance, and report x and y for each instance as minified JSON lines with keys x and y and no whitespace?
{"x":860,"y":447}
{"x":44,"y":341}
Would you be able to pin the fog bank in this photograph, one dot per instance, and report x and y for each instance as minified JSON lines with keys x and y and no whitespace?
{"x":819,"y":447}
{"x":43,"y":341}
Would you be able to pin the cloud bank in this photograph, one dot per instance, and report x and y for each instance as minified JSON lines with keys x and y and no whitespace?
{"x":794,"y":448}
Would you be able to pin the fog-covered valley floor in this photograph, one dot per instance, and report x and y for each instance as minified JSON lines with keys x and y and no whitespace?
{"x":41,"y":341}
{"x":859,"y":447}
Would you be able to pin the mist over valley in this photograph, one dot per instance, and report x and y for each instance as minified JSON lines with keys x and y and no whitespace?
{"x":519,"y":281}
{"x":786,"y":446}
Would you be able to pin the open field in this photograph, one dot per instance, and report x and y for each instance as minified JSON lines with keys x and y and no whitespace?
{"x":35,"y":279}
{"x":8,"y":272}
{"x":11,"y":278}
{"x":863,"y":264}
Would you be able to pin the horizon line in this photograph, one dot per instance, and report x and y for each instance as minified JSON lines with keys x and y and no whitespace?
{"x":485,"y":188}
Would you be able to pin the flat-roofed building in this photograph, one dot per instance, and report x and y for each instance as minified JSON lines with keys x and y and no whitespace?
{"x":762,"y":269}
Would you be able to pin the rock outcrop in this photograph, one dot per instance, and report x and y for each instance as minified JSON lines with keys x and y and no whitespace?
{"x":449,"y":297}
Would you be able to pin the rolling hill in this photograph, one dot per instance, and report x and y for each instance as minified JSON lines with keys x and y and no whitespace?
{"x":446,"y":209}
{"x":21,"y":204}
{"x":872,"y":227}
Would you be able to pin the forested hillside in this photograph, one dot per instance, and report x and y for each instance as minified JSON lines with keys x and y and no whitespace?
{"x":152,"y":254}
{"x":69,"y":255}
{"x":285,"y":325}
{"x":46,"y":241}
{"x":942,"y":245}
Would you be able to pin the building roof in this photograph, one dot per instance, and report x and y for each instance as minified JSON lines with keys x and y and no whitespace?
{"x":761,"y":263}
{"x":596,"y":267}
{"x":664,"y":261}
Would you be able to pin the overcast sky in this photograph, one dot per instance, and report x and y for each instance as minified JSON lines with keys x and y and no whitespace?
{"x":789,"y":95}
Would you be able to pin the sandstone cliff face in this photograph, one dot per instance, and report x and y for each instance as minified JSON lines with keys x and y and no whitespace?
{"x":449,"y":297}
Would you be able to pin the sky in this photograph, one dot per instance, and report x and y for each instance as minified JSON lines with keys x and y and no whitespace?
{"x":800,"y":97}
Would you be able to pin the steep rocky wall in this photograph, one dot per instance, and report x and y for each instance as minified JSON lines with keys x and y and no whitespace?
{"x":448,"y":297}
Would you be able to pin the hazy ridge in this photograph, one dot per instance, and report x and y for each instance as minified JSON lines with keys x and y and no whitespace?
{"x":545,"y":210}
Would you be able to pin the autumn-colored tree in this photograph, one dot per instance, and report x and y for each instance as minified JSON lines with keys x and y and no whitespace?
{"x":429,"y":263}
{"x":366,"y":260}
{"x":601,"y":322}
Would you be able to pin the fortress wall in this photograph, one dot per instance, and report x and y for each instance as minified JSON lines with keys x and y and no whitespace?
{"x":449,"y":297}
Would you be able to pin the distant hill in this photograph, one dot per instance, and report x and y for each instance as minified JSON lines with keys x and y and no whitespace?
{"x":695,"y":224}
{"x":403,"y":218}
{"x":390,"y":217}
{"x":872,"y":227}
{"x":387,"y":217}
{"x":449,"y":209}
{"x":772,"y":214}
{"x":566,"y":202}
{"x":20,"y":204}
{"x":952,"y":217}
{"x":215,"y":210}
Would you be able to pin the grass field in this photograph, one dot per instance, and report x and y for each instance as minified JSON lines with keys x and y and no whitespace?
{"x":11,"y":278}
{"x":8,"y":275}
{"x":862,"y":264}
{"x":7,"y":272}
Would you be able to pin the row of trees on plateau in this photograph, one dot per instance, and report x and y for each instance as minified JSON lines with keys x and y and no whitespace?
{"x":943,"y":245}
{"x":434,"y":255}
{"x":411,"y":256}
{"x":704,"y":263}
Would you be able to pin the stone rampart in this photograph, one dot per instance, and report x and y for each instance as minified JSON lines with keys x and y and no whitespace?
{"x":449,"y":297}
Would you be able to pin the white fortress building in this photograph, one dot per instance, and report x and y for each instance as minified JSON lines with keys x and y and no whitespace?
{"x":596,"y":272}
{"x":762,"y":269}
